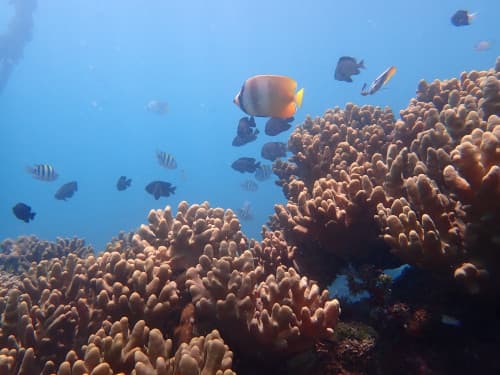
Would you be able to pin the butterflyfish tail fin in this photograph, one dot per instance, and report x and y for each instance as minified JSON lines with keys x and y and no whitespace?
{"x":298,"y":97}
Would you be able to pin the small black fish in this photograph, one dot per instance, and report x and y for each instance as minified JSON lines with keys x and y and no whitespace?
{"x":245,"y":132}
{"x":249,"y":185}
{"x":123,"y":183}
{"x":66,"y":191}
{"x":245,"y":164}
{"x":462,"y":18}
{"x":273,"y":150}
{"x":23,"y":212}
{"x":263,"y":172}
{"x":346,"y":67}
{"x":160,"y":189}
{"x":276,"y":125}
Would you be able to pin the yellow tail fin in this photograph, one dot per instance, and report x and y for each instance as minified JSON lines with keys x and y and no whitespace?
{"x":298,"y":97}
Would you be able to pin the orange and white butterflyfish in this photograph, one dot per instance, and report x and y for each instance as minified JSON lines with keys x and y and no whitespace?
{"x":269,"y":96}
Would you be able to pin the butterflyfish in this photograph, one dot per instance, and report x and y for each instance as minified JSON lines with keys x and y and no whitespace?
{"x":269,"y":96}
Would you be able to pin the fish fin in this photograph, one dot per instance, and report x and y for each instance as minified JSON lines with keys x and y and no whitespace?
{"x":361,"y":64}
{"x":471,"y":16}
{"x":363,"y":90}
{"x":348,"y":79}
{"x":298,"y":98}
{"x":288,"y":111}
{"x":390,"y":73}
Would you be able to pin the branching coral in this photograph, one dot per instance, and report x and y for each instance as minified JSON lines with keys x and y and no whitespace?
{"x":328,"y":145}
{"x":434,"y":172}
{"x":16,"y":255}
{"x":182,"y":239}
{"x":282,"y":313}
{"x":140,"y":281}
{"x":117,"y":348}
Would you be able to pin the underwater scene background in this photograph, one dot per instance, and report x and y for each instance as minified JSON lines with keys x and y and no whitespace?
{"x":77,"y":98}
{"x":98,"y":89}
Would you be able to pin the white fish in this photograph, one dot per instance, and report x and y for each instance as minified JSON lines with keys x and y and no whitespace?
{"x":157,"y":106}
{"x":482,"y":45}
{"x":245,"y":211}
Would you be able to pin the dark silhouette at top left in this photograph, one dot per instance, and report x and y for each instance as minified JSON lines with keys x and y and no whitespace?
{"x":18,"y":34}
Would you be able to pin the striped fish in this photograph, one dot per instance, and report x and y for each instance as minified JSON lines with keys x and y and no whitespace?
{"x":166,"y":160}
{"x":263,"y":172}
{"x":269,"y":96}
{"x":43,"y":172}
{"x":249,"y":185}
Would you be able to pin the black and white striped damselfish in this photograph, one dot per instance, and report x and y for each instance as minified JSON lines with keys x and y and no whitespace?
{"x":166,"y":160}
{"x":263,"y":172}
{"x":44,"y":172}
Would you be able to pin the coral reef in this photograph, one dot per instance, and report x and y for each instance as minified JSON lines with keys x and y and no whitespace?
{"x":140,"y":350}
{"x":189,"y":293}
{"x":281,"y":314}
{"x":427,"y":184}
{"x":173,"y":277}
{"x":16,"y":255}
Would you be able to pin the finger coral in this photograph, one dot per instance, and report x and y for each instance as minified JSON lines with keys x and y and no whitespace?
{"x":426,"y":183}
{"x":117,"y":348}
{"x":282,"y":313}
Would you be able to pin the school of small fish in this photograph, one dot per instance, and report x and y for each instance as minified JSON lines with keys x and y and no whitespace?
{"x":46,"y":172}
{"x":273,"y":96}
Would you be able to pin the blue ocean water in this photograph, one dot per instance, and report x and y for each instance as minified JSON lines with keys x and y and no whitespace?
{"x":76,"y":99}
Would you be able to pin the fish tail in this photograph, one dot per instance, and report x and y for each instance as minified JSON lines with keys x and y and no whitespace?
{"x":298,"y":97}
{"x":32,"y":215}
{"x":361,"y":64}
{"x":29,"y":169}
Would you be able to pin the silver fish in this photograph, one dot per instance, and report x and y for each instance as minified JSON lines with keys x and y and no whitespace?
{"x":244,"y":212}
{"x":380,"y":81}
{"x":263,"y":172}
{"x":249,"y":185}
{"x":43,"y":172}
{"x":157,"y":106}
